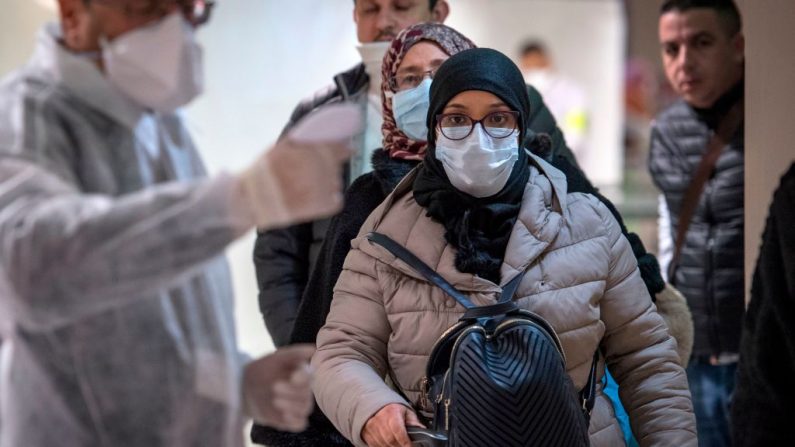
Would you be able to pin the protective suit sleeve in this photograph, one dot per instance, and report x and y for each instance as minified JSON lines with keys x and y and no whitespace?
{"x":67,"y":254}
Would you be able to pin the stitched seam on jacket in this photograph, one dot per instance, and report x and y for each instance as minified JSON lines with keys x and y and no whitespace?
{"x":574,"y":243}
{"x":561,"y":288}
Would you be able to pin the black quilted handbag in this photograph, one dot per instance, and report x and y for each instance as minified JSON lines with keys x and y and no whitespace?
{"x":498,"y":377}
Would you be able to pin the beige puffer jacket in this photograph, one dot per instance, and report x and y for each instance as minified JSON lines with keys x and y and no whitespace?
{"x":581,"y":277}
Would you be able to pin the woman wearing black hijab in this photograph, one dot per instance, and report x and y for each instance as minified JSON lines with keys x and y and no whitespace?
{"x":480,"y":210}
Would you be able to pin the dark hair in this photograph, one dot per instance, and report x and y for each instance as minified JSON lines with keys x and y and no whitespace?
{"x":533,"y":46}
{"x":727,"y":11}
{"x":431,"y":3}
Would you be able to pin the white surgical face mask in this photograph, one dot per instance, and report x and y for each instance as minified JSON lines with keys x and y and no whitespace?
{"x":159,"y":66}
{"x":540,"y":78}
{"x":372,"y":55}
{"x":410,"y":108}
{"x":478,"y":165}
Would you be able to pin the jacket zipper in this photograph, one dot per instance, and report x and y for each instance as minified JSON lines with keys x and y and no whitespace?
{"x":709,"y":286}
{"x":447,"y":415}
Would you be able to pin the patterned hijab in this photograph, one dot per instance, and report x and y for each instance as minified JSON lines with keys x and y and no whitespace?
{"x":396,"y":143}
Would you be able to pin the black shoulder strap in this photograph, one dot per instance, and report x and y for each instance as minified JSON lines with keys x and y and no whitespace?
{"x":504,"y":305}
{"x":414,"y":262}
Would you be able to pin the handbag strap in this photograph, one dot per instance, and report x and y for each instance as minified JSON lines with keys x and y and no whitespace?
{"x":504,"y":305}
{"x":726,"y":129}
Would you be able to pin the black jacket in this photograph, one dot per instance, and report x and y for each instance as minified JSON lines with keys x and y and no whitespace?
{"x":361,"y":198}
{"x":762,"y":406}
{"x":710,"y":272}
{"x":284,"y":259}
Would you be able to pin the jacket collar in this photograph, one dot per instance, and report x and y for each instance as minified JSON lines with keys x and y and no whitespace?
{"x":352,"y":82}
{"x":541,"y":217}
{"x":81,"y":77}
{"x":558,"y":181}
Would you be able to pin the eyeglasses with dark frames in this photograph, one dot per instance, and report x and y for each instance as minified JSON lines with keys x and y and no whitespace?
{"x":457,"y":126}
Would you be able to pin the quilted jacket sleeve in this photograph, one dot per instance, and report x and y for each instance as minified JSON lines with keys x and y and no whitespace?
{"x":350,"y":362}
{"x":641,"y":354}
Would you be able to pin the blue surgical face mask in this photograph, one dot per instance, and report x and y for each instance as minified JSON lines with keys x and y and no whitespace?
{"x":410,"y":108}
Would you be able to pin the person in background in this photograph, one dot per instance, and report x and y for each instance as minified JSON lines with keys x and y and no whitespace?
{"x":566,"y":99}
{"x":762,"y":404}
{"x":703,"y":55}
{"x":285,"y":258}
{"x":479,"y":225}
{"x":115,"y":300}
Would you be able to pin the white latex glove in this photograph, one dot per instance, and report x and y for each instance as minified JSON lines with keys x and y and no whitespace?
{"x":300,"y":177}
{"x":277,"y":389}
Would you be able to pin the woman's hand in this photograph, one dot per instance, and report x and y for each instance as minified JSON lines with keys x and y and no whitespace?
{"x":387,"y":428}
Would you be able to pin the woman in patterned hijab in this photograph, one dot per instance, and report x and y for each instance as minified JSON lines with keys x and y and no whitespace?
{"x":396,"y":142}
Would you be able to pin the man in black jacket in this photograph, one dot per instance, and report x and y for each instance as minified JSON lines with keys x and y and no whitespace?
{"x":702,"y":51}
{"x":284,"y":258}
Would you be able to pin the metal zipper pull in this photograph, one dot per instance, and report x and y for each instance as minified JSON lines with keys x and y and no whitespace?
{"x":424,"y":385}
{"x":447,"y":414}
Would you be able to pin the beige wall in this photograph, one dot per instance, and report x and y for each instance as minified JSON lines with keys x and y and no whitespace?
{"x":769,"y":110}
{"x":19,"y":23}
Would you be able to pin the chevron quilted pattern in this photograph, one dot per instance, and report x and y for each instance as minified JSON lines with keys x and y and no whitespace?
{"x":512,"y":389}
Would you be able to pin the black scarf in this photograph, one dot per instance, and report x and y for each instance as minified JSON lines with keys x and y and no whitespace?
{"x":479,"y":228}
{"x":712,"y":116}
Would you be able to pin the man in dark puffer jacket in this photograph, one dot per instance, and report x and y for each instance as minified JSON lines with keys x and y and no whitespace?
{"x":702,"y":45}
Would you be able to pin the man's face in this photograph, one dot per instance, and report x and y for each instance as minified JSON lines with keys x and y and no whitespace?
{"x":382,"y":20}
{"x":535,"y":61}
{"x":701,"y":60}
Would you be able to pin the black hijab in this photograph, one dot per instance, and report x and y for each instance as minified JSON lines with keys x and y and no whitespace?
{"x":478,"y":227}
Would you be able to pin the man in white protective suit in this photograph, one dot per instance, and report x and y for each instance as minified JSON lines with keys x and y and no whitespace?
{"x":116,"y":305}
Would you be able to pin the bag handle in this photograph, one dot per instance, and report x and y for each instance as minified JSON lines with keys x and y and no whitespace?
{"x":504,"y":305}
{"x":723,"y":134}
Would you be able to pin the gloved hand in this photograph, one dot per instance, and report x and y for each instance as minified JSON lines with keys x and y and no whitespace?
{"x":300,"y":177}
{"x":277,"y":388}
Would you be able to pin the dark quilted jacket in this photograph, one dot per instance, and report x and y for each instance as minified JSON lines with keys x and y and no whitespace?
{"x":710,"y":273}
